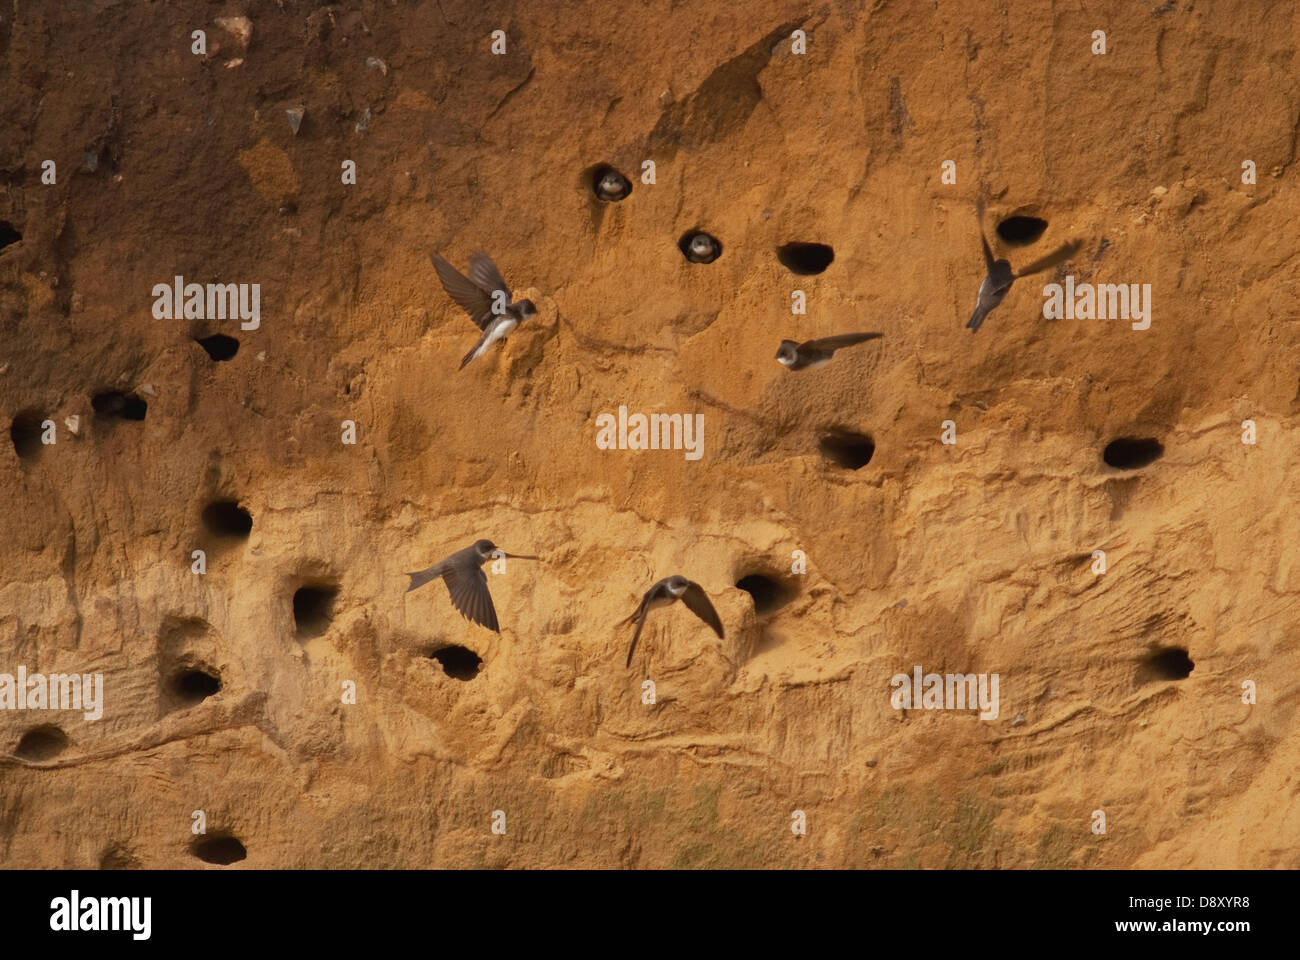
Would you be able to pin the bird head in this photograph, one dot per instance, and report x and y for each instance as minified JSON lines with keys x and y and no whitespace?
{"x":787,"y":353}
{"x":612,"y":186}
{"x":701,"y":245}
{"x":484,"y":548}
{"x":526,"y":309}
{"x":677,"y":585}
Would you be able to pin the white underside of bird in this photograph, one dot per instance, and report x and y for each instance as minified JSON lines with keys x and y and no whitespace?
{"x":500,"y":331}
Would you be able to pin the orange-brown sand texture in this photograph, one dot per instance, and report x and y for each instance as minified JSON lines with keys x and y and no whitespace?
{"x":967,"y":557}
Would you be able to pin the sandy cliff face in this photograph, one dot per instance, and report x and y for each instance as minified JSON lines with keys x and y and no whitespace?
{"x":969,"y":557}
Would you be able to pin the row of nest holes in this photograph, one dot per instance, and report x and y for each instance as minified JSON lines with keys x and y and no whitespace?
{"x":194,"y":685}
{"x":228,"y":520}
{"x":109,"y":405}
{"x":221,"y":849}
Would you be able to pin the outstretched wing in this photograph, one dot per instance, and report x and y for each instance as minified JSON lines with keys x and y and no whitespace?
{"x":698,"y":601}
{"x":472,"y":299}
{"x":842,"y":340}
{"x":1052,"y":259}
{"x":469,"y":595}
{"x":485,"y":275}
{"x":640,"y":616}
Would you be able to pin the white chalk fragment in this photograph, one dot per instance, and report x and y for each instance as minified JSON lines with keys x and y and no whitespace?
{"x":241,"y":28}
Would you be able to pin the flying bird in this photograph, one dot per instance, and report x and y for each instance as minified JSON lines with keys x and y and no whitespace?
{"x":466,"y":582}
{"x":816,"y":353}
{"x":1000,"y":277}
{"x":486,"y":298}
{"x":665,"y":593}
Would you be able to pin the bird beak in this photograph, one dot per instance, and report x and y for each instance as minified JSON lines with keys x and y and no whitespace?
{"x":520,"y":556}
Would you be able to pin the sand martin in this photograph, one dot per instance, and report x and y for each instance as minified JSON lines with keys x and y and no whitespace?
{"x":1000,"y":277}
{"x":466,"y":581}
{"x":669,"y":591}
{"x":699,"y":247}
{"x":611,"y":185}
{"x":817,"y":353}
{"x":486,"y":298}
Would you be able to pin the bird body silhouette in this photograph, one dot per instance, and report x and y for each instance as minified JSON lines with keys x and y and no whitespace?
{"x":1000,"y":276}
{"x":817,"y":353}
{"x":466,"y":582}
{"x":485,"y":296}
{"x":667,"y":592}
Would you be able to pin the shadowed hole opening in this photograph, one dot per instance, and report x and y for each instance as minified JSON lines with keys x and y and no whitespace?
{"x":313,"y":610}
{"x":8,"y":234}
{"x":1130,"y":453}
{"x":805,"y":258}
{"x":616,"y":187}
{"x":846,"y":449}
{"x":769,"y":593}
{"x":222,"y":851}
{"x":685,"y":245}
{"x":1170,"y":664}
{"x":25,"y":432}
{"x":219,"y":346}
{"x":226,"y":518}
{"x":458,"y":662}
{"x":1021,"y":231}
{"x":194,"y":685}
{"x":42,"y":743}
{"x":123,"y":406}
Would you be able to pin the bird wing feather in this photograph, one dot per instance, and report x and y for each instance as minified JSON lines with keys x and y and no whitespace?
{"x":485,"y":274}
{"x":698,"y":601}
{"x":469,"y":595}
{"x":474,"y":300}
{"x":639,"y":616}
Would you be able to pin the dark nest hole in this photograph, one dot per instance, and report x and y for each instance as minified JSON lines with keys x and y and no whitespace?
{"x":221,"y":850}
{"x":1021,"y":231}
{"x":847,"y":449}
{"x":609,"y":184}
{"x":769,"y":593}
{"x":313,"y":609}
{"x":1172,"y":663}
{"x":115,"y":404}
{"x":194,"y":684}
{"x":219,"y":346}
{"x":805,"y":258}
{"x":8,"y":234}
{"x":687,"y":241}
{"x":25,"y":432}
{"x":1130,"y":453}
{"x":226,"y":518}
{"x":42,"y":743}
{"x":458,"y":662}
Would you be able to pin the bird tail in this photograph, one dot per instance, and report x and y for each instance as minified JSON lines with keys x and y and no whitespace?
{"x":976,"y":318}
{"x":421,"y":577}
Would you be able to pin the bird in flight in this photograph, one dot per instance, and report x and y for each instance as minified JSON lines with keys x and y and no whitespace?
{"x":486,"y":298}
{"x":466,"y":582}
{"x":667,"y":592}
{"x":1000,"y":276}
{"x":817,"y":353}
